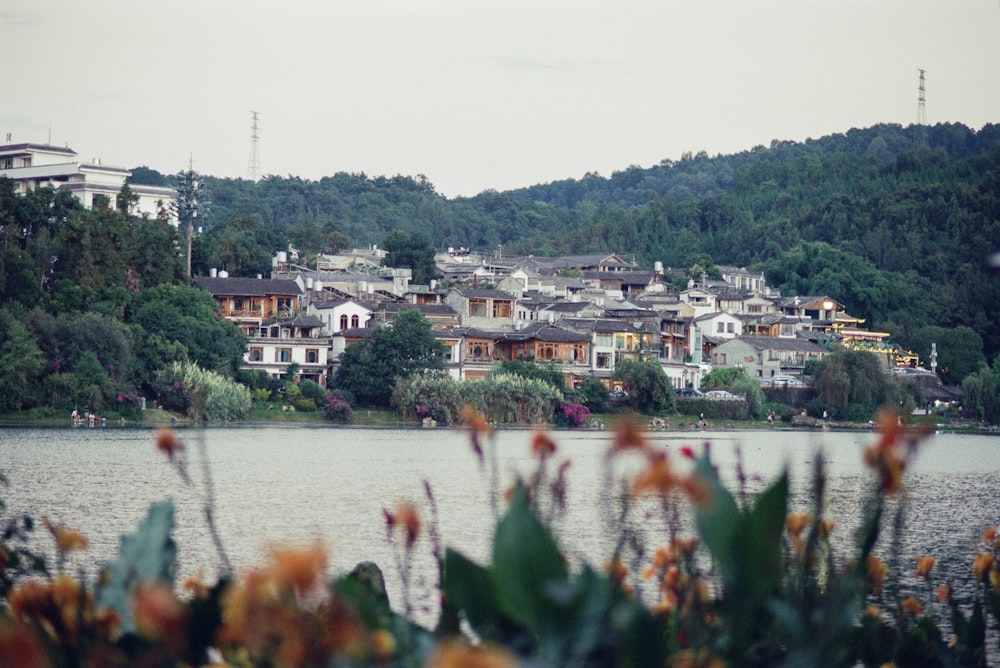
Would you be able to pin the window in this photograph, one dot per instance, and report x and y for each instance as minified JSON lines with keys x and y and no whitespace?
{"x":6,"y":163}
{"x":284,"y":303}
{"x":720,"y":327}
{"x":283,"y":355}
{"x":343,"y":321}
{"x":477,"y":308}
{"x":605,"y":340}
{"x":312,"y":355}
{"x":237,"y":303}
{"x":729,"y":327}
{"x":755,"y":308}
{"x":501,"y":309}
{"x":256,"y":354}
{"x":355,"y":321}
{"x":603,"y":360}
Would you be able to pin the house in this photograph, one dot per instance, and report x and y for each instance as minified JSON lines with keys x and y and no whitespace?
{"x":339,"y":314}
{"x":700,"y":300}
{"x":295,"y":340}
{"x":549,"y":343}
{"x":765,"y":357}
{"x":249,"y":302}
{"x":720,"y":325}
{"x":440,"y":316}
{"x":743,"y":279}
{"x":489,"y":309}
{"x":32,"y":166}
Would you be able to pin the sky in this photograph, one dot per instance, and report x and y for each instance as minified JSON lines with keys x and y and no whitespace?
{"x":479,"y":95}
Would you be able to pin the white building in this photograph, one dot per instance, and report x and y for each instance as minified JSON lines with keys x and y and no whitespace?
{"x":33,"y":166}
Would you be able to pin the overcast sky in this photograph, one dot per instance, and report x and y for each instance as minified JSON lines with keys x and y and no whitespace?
{"x":477,"y":95}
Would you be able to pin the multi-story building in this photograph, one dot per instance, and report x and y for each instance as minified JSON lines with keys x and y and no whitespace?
{"x":32,"y":166}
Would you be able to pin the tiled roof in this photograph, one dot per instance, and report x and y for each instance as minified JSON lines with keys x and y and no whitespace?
{"x":256,"y":287}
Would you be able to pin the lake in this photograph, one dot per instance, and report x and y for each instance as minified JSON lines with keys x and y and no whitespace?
{"x":291,"y":485}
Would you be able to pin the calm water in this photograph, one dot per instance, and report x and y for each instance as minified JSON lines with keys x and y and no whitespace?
{"x":277,"y":485}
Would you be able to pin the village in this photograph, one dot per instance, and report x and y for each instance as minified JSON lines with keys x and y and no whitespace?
{"x":585,"y":313}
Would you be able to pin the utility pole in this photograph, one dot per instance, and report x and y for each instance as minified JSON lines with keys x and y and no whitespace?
{"x":253,"y":172}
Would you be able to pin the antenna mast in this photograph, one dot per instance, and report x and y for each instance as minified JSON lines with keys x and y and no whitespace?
{"x":253,"y":172}
{"x":922,"y":111}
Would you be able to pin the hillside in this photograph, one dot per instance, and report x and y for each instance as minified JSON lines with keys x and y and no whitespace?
{"x":896,"y":222}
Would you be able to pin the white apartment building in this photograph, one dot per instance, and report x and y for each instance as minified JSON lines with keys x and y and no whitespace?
{"x":33,"y":166}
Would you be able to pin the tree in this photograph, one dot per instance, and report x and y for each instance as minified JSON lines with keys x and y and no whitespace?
{"x":853,"y":385}
{"x":369,"y":369}
{"x":548,"y":371}
{"x":242,"y":245}
{"x":187,"y":207}
{"x":959,"y":351}
{"x":414,"y":251}
{"x":20,"y":362}
{"x":648,"y":387}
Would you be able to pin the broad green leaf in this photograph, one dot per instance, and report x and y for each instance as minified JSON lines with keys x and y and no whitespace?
{"x":526,"y":561}
{"x":144,"y":556}
{"x":717,"y":519}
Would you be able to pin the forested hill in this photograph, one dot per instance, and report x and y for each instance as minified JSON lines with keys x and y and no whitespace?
{"x":895,"y":222}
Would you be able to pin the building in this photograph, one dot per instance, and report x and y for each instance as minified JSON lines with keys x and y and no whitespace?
{"x":32,"y":166}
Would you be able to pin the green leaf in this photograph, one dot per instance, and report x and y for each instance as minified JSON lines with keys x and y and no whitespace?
{"x":144,"y":556}
{"x":526,"y":561}
{"x":717,"y":520}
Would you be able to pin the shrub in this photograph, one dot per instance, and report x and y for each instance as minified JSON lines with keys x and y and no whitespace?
{"x":336,"y":408}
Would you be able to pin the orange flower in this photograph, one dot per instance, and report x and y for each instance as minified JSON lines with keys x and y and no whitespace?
{"x":944,"y":593}
{"x":982,"y":566}
{"x":796,"y":522}
{"x":825,"y":528}
{"x":167,"y":442}
{"x":697,"y":490}
{"x":453,"y":654}
{"x":924,"y":566}
{"x":629,"y":435}
{"x":477,"y":423}
{"x":873,"y":611}
{"x":407,"y":518}
{"x":876,"y":572}
{"x":300,"y":568}
{"x":990,"y":534}
{"x":159,"y":614}
{"x":542,"y":445}
{"x":911,"y":606}
{"x":21,"y":647}
{"x":383,"y":644}
{"x":67,"y":540}
{"x":656,"y":478}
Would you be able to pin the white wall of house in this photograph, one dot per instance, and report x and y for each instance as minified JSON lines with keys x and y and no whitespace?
{"x":333,"y":319}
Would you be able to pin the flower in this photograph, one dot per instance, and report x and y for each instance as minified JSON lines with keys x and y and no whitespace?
{"x":876,"y":572}
{"x":159,"y":614}
{"x":168,"y":443}
{"x":911,"y":606}
{"x":67,"y":539}
{"x":628,"y":435}
{"x":407,"y":518}
{"x":982,"y":565}
{"x":301,"y":568}
{"x":657,"y":477}
{"x":990,"y":534}
{"x":477,"y":423}
{"x":542,"y":445}
{"x":453,"y":654}
{"x":796,"y":522}
{"x":924,"y":566}
{"x":944,"y":593}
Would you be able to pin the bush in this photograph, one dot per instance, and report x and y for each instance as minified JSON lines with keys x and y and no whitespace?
{"x":337,"y":408}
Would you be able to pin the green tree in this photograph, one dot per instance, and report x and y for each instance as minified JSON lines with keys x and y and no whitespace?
{"x":959,"y":351}
{"x":369,"y":369}
{"x":242,"y":245}
{"x":648,"y":387}
{"x":546,"y":371}
{"x":853,"y":385}
{"x":190,"y":317}
{"x":21,"y":363}
{"x":981,"y":393}
{"x":414,"y":251}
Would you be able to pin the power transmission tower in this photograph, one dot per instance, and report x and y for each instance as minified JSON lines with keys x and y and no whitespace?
{"x":922,"y":110}
{"x":253,"y":172}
